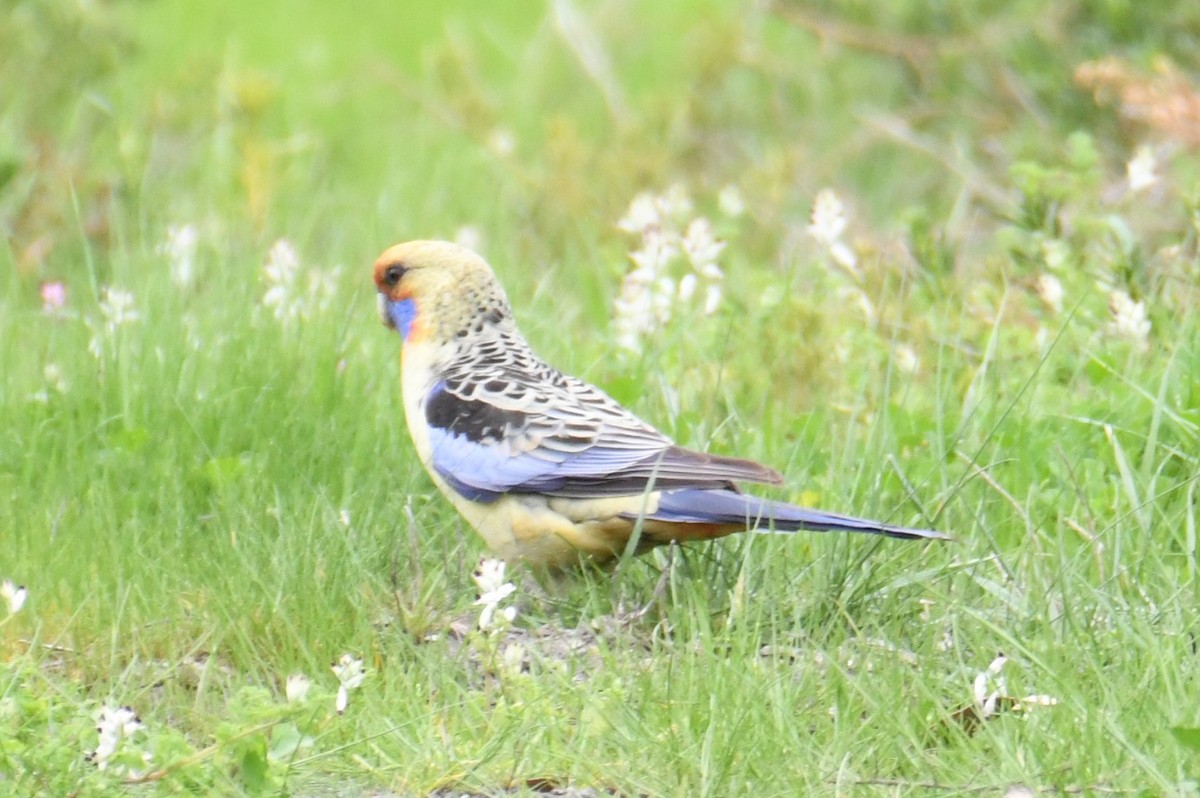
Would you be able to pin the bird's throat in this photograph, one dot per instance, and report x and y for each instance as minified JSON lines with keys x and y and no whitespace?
{"x":402,"y":313}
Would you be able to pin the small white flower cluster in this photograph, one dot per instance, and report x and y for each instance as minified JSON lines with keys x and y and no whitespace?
{"x":117,"y":728}
{"x":1128,"y":318}
{"x":1050,"y":290}
{"x":116,"y":306}
{"x":350,"y":673}
{"x":1142,"y":169}
{"x":669,"y":236}
{"x":990,"y":688}
{"x":906,"y":358}
{"x":116,"y":310}
{"x":502,"y":142}
{"x":14,"y":596}
{"x":493,"y":591}
{"x":56,"y":383}
{"x":287,"y":296}
{"x":827,"y":224}
{"x":1055,"y":254}
{"x":985,"y":699}
{"x":471,"y":237}
{"x":296,"y":688}
{"x":280,"y":273}
{"x":730,"y":201}
{"x":180,"y":249}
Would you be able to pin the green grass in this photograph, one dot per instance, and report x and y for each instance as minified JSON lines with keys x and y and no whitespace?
{"x":178,"y":510}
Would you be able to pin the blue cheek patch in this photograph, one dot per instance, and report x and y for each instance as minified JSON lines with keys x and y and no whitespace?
{"x":403,"y":313}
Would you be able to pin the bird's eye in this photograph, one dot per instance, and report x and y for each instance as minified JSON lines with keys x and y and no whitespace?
{"x":392,"y":274}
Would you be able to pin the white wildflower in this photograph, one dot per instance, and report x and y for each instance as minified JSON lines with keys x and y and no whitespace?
{"x":828,"y":220}
{"x":1142,"y":169}
{"x":116,"y":727}
{"x":512,"y":659}
{"x":687,"y":287}
{"x":985,"y":698}
{"x":712,"y":299}
{"x":116,"y":310}
{"x":843,"y":256}
{"x":647,"y":292}
{"x":634,"y":311}
{"x":489,"y":577}
{"x":1050,"y":290}
{"x":287,"y":296}
{"x":946,"y":642}
{"x":322,"y":288}
{"x":658,"y":250}
{"x":116,"y":306}
{"x":1128,"y":317}
{"x":283,"y":263}
{"x":990,"y":693}
{"x":675,"y":204}
{"x":502,"y":142}
{"x":663,"y":298}
{"x":297,"y":687}
{"x":905,"y":358}
{"x":827,"y":223}
{"x":1055,"y":252}
{"x":14,"y":596}
{"x":276,"y":298}
{"x":344,"y":517}
{"x":493,"y":590}
{"x":642,"y":215}
{"x":771,"y":297}
{"x":628,"y":337}
{"x":53,"y":375}
{"x":730,"y":201}
{"x":279,"y":274}
{"x":471,"y":237}
{"x":180,"y":249}
{"x":1019,"y":791}
{"x":350,"y":674}
{"x":651,"y":290}
{"x":493,"y":618}
{"x":702,"y":248}
{"x":55,"y":382}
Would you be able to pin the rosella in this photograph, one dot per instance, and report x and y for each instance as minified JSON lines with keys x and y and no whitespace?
{"x":546,"y":467}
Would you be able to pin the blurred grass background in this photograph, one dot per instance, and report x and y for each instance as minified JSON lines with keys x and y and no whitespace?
{"x":207,"y":498}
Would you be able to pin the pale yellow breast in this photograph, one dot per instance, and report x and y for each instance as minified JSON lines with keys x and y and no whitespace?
{"x":418,"y":376}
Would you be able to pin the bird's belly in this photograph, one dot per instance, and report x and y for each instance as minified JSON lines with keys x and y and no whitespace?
{"x":542,"y":531}
{"x":531,"y":529}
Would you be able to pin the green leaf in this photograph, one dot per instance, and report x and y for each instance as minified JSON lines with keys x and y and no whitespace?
{"x":1188,"y":737}
{"x":286,"y":740}
{"x":254,"y":770}
{"x":220,"y":472}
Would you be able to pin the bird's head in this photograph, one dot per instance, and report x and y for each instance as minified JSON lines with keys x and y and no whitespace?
{"x":433,"y":290}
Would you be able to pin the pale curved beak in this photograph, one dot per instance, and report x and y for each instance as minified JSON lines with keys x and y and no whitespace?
{"x":384,"y":316}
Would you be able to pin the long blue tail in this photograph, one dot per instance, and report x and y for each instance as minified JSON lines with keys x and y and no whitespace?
{"x":694,"y":506}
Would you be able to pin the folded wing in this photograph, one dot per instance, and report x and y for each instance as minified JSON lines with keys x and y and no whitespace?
{"x":488,"y":443}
